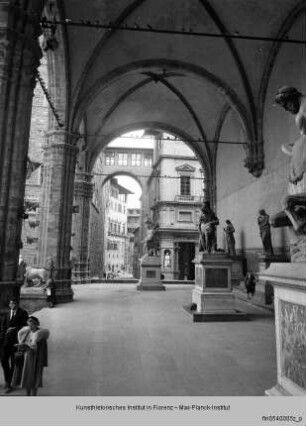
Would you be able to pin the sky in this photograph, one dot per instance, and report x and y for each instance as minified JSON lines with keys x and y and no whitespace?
{"x":131,"y":184}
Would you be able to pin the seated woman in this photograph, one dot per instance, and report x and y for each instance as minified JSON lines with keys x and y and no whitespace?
{"x":33,"y":342}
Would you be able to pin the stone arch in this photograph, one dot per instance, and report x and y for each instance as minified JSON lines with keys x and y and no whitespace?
{"x":164,"y":127}
{"x":142,"y":66}
{"x":124,"y":173}
{"x":286,"y":26}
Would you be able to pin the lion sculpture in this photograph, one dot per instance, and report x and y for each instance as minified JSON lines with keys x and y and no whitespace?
{"x":39,"y":277}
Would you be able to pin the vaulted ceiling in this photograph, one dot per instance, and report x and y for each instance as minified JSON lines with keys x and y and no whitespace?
{"x":181,"y":66}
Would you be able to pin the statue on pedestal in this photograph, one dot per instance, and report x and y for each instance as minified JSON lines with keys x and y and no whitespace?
{"x":152,"y":239}
{"x":263,"y":221}
{"x":207,"y":226}
{"x":295,"y":203}
{"x":230,"y":239}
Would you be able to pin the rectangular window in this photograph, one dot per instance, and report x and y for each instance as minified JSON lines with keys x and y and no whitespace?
{"x":185,"y":185}
{"x":147,"y":160}
{"x":122,"y":159}
{"x":136,"y":160}
{"x":184,"y":216}
{"x":110,"y":159}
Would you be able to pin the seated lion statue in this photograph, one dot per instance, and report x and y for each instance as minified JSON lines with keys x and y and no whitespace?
{"x":39,"y":277}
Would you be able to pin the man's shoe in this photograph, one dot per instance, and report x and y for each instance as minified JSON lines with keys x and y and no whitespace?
{"x":8,"y":390}
{"x":6,"y":385}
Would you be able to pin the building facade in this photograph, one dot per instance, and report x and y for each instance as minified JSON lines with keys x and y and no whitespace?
{"x":176,"y":196}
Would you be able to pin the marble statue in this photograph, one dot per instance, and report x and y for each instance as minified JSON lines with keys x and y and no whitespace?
{"x":207,"y":226}
{"x":39,"y":277}
{"x":263,"y":221}
{"x":229,"y":237}
{"x":295,"y":203}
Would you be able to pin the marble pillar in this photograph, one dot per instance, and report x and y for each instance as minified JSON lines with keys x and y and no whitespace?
{"x":56,"y":209}
{"x":19,"y":59}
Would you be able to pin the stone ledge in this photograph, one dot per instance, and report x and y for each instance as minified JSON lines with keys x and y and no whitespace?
{"x":217,"y":316}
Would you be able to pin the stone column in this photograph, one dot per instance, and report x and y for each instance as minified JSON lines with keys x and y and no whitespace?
{"x":19,"y":59}
{"x":56,"y":209}
{"x":83,"y":190}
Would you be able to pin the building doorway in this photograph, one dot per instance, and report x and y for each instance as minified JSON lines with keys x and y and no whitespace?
{"x":185,"y":264}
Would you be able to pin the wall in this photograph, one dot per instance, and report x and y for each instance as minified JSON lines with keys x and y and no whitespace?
{"x":240,"y":195}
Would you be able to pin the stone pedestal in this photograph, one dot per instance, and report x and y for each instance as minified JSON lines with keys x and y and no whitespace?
{"x":213,"y":294}
{"x":33,"y":299}
{"x":289,"y":281}
{"x":150,"y":274}
{"x":237,"y":270}
{"x":264,"y":293}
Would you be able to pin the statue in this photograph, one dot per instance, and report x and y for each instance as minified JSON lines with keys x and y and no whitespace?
{"x":265,"y":232}
{"x":39,"y":277}
{"x":295,"y":203}
{"x":152,"y":240}
{"x":207,"y":226}
{"x":230,"y":239}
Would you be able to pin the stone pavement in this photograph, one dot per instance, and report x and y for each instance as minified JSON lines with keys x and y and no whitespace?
{"x":116,"y":341}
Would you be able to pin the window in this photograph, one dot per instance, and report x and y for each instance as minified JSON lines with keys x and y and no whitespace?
{"x":136,"y":159}
{"x":185,"y":216}
{"x":185,"y":185}
{"x":147,"y":161}
{"x":122,"y":159}
{"x":110,"y":159}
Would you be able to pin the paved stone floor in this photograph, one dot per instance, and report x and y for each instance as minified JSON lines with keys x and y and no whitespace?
{"x":116,"y":341}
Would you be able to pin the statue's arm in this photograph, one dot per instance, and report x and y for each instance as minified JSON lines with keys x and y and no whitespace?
{"x":287,"y":149}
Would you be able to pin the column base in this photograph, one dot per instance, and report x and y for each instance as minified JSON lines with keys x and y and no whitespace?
{"x":80,"y":273}
{"x":63,"y":291}
{"x":277,"y":391}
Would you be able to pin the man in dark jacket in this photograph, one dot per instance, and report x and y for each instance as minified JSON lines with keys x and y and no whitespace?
{"x":14,"y":321}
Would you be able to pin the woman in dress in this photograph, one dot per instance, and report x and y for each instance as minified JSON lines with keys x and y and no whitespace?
{"x":33,"y":342}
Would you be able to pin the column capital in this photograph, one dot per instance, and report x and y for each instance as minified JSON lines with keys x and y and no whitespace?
{"x":83,"y":177}
{"x":70,"y":138}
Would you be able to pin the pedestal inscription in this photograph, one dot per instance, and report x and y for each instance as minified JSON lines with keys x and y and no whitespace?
{"x":217,"y":278}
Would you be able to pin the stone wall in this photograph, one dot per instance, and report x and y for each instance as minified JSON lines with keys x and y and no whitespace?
{"x":239,"y":194}
{"x":39,"y":125}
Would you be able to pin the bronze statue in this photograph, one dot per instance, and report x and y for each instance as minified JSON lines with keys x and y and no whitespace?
{"x":152,"y":239}
{"x":207,"y":226}
{"x":229,"y":237}
{"x":265,"y":232}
